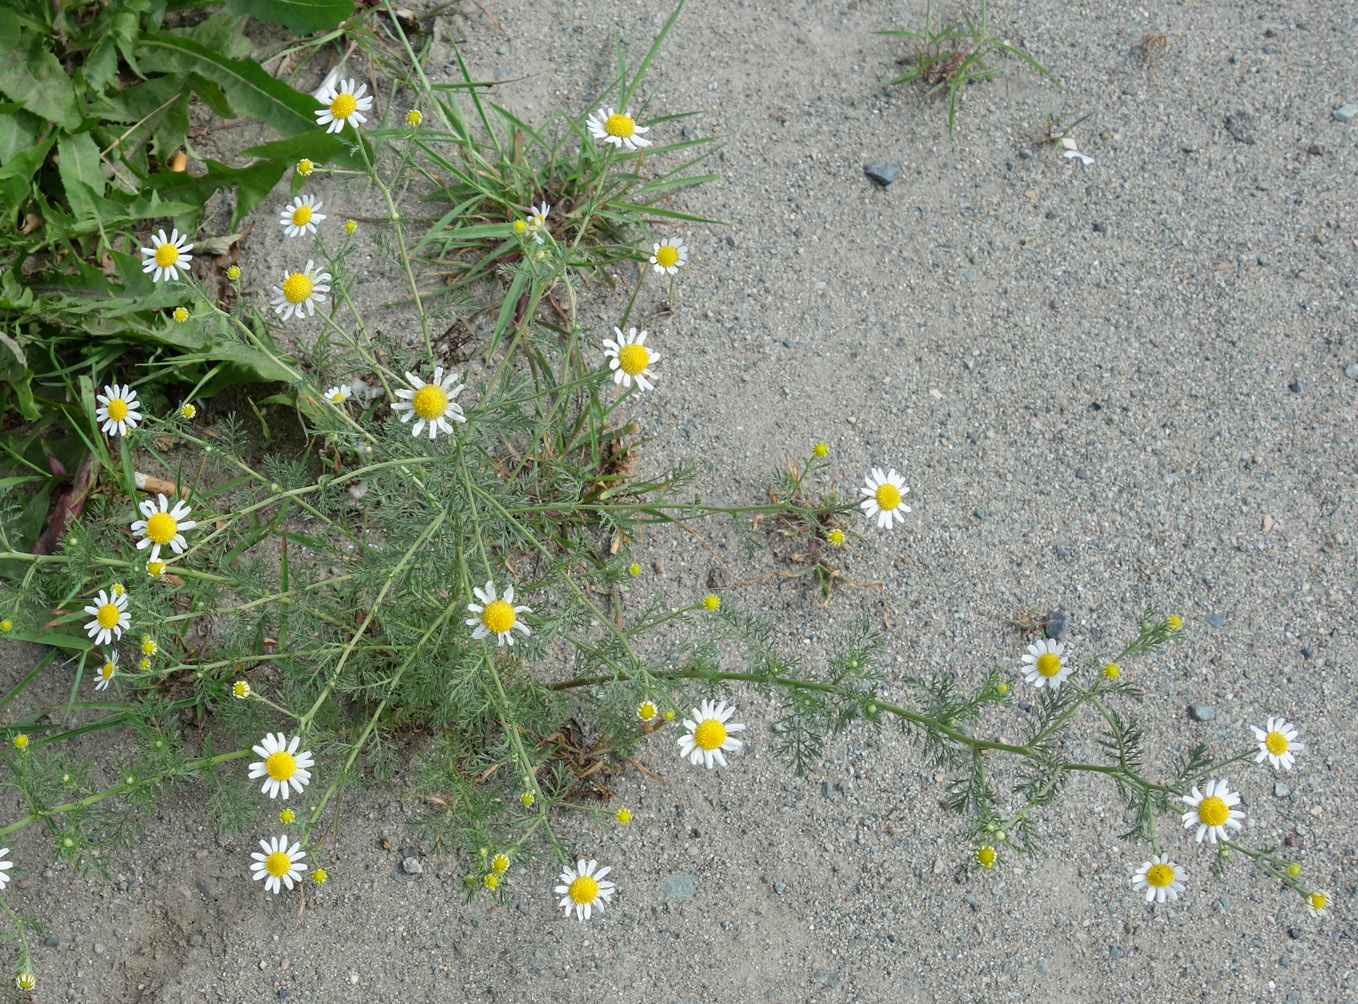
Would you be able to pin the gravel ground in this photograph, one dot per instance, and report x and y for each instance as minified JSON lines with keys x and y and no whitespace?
{"x":1109,"y":384}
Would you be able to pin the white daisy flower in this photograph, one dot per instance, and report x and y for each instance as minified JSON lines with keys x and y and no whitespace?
{"x":884,"y":497}
{"x":282,"y":767}
{"x":497,"y":616}
{"x":1316,"y":902}
{"x":1277,"y":743}
{"x":1043,"y":664}
{"x":339,"y":393}
{"x":617,"y":128}
{"x":107,"y":671}
{"x":5,"y":866}
{"x":300,"y":217}
{"x":300,"y":290}
{"x":708,"y":734}
{"x":279,"y":864}
{"x":670,"y":255}
{"x":583,"y":888}
{"x":162,"y":526}
{"x":109,"y":611}
{"x":537,"y":221}
{"x":630,"y":359}
{"x":343,"y":103}
{"x":1161,"y":878}
{"x":1212,"y":811}
{"x":431,"y":403}
{"x":168,"y":256}
{"x":117,"y":409}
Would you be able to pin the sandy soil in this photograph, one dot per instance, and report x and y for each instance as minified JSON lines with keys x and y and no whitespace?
{"x":1108,"y":385}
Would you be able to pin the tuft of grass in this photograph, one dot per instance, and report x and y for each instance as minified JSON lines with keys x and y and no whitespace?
{"x":951,"y":57}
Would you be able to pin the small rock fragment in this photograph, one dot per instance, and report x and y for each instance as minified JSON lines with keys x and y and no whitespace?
{"x":680,"y":885}
{"x":1281,"y":790}
{"x":1345,"y":112}
{"x":1201,"y":712}
{"x":1055,"y":625}
{"x":884,"y":172}
{"x":412,"y":866}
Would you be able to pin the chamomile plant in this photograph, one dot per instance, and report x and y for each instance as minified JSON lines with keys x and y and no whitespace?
{"x":448,"y":545}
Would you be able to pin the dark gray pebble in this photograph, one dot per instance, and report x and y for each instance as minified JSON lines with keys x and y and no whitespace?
{"x":884,"y":172}
{"x":1055,"y":625}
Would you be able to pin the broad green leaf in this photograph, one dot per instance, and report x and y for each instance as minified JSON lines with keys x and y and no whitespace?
{"x":248,"y":87}
{"x":78,"y":165}
{"x":300,"y":16}
{"x":17,"y":376}
{"x":33,"y":77}
{"x":19,"y":130}
{"x":253,"y":183}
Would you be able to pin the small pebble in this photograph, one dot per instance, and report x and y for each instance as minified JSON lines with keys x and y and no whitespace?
{"x":51,"y":941}
{"x":1055,"y":625}
{"x":1351,"y":371}
{"x":1281,"y":790}
{"x":412,"y":866}
{"x":884,"y":172}
{"x":1345,"y":112}
{"x":1201,"y":712}
{"x":681,"y":885}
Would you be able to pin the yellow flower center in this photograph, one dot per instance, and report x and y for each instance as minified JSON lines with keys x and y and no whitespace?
{"x":337,"y":397}
{"x":1317,"y":900}
{"x":1159,"y":875}
{"x":520,"y":226}
{"x":888,"y":497}
{"x":181,"y":314}
{"x":117,"y":409}
{"x":161,"y":528}
{"x":584,"y":889}
{"x":301,"y":216}
{"x":500,"y":863}
{"x":305,"y":167}
{"x":1213,"y":811}
{"x":1276,"y":743}
{"x":154,"y":568}
{"x":106,"y":671}
{"x":343,"y":106}
{"x":430,"y":402}
{"x":1049,"y":664}
{"x":667,"y":255}
{"x":646,"y":712}
{"x":633,"y":358}
{"x":985,"y":856}
{"x":297,"y":287}
{"x":619,"y":125}
{"x":108,"y":615}
{"x":281,"y":765}
{"x":710,"y":734}
{"x":166,"y":255}
{"x":1112,"y":671}
{"x":498,"y":616}
{"x":278,"y":864}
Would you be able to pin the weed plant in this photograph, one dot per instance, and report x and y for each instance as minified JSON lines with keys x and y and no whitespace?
{"x":445,"y":579}
{"x":950,"y":58}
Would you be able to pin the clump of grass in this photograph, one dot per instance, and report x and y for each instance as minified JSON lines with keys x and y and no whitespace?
{"x":950,"y":58}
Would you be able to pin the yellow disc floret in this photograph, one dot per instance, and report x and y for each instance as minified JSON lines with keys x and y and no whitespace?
{"x":278,"y":864}
{"x":498,"y":616}
{"x":1276,"y":742}
{"x":985,"y":857}
{"x":710,"y":734}
{"x":281,"y":765}
{"x":1317,"y":901}
{"x":161,"y":528}
{"x":619,"y":125}
{"x":297,"y":288}
{"x":117,"y":409}
{"x":1159,"y":876}
{"x":584,"y":890}
{"x":1112,"y":671}
{"x":1213,"y":811}
{"x":887,"y":496}
{"x":666,"y":255}
{"x":108,"y":615}
{"x":633,"y":358}
{"x":301,"y":216}
{"x":166,"y":255}
{"x":343,"y":106}
{"x":1049,"y":664}
{"x":430,"y":402}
